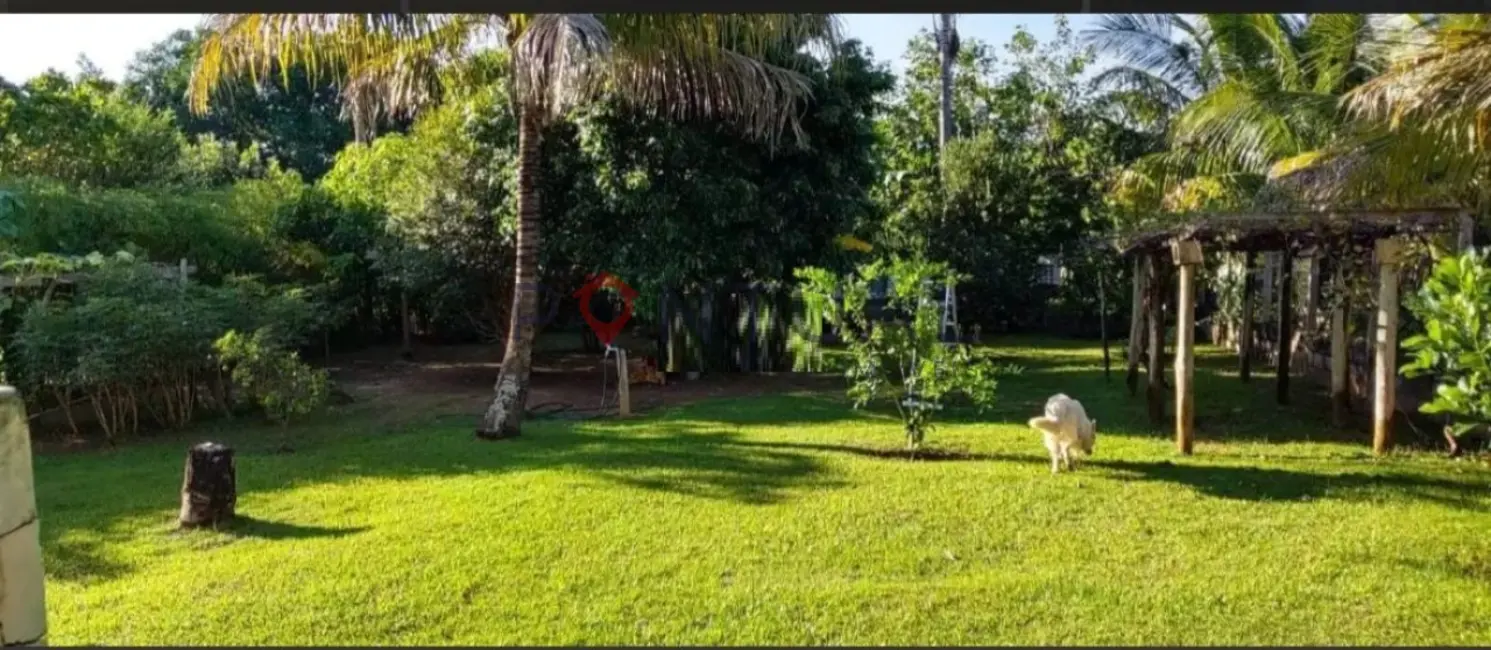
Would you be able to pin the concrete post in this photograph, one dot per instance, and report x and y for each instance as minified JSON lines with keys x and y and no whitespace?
{"x":23,"y":614}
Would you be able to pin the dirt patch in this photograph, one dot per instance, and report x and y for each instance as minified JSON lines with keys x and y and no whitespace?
{"x":451,"y":380}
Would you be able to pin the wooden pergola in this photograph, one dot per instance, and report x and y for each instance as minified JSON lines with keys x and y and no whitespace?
{"x":1293,"y":234}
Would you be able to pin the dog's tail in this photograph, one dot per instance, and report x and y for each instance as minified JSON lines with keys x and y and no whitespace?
{"x":1047,"y":424}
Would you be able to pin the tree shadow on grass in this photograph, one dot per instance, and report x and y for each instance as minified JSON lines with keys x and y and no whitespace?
{"x":1271,"y":484}
{"x":681,"y":457}
{"x":1220,"y":481}
{"x":251,"y":527}
{"x":80,"y":559}
{"x":900,"y":454}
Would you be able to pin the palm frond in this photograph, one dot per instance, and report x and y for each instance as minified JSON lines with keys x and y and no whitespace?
{"x":555,"y":58}
{"x":715,"y":66}
{"x":1151,"y":43}
{"x":1236,"y":127}
{"x":387,"y":62}
{"x":1333,"y":51}
{"x":1127,"y":79}
{"x":1437,"y":81}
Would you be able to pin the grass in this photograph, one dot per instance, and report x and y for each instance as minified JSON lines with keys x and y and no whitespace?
{"x":767,"y":521}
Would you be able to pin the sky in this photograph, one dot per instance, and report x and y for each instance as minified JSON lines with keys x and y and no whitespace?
{"x":32,"y":43}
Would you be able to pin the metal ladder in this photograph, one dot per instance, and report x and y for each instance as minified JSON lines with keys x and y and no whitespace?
{"x":950,"y":315}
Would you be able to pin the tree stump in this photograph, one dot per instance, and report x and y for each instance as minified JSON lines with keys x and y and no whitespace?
{"x":210,"y":489}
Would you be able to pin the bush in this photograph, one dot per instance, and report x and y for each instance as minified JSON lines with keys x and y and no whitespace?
{"x":131,"y":339}
{"x":271,"y":376}
{"x":902,"y":357}
{"x":1454,"y":305}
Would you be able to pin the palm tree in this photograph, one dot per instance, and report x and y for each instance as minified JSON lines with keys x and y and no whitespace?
{"x":686,"y":65}
{"x":946,"y":35}
{"x":1254,"y":95}
{"x":1164,"y":61}
{"x":1425,"y":121}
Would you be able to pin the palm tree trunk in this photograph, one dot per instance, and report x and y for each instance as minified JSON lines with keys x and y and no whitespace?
{"x":946,"y":56}
{"x":504,"y":415}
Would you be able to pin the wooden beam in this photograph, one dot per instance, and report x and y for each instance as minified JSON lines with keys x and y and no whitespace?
{"x":1103,"y":328}
{"x":1286,"y":326}
{"x":1187,"y":257}
{"x":1245,"y":330}
{"x":1266,"y":285}
{"x":1312,"y":304}
{"x":1340,"y":388}
{"x":1156,"y":319}
{"x":1385,"y":352}
{"x":408,"y":349}
{"x":623,"y":385}
{"x":1136,"y":322}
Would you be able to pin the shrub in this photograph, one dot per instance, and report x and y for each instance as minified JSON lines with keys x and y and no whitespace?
{"x":1454,"y":305}
{"x":271,"y":376}
{"x":902,"y":357}
{"x":132,"y":340}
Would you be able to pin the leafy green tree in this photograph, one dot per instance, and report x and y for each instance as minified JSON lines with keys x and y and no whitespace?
{"x":297,"y":122}
{"x":701,"y":204}
{"x":272,"y":377}
{"x":84,"y":133}
{"x":902,"y":358}
{"x":446,"y":193}
{"x":136,"y":344}
{"x":684,"y":65}
{"x":1026,"y":180}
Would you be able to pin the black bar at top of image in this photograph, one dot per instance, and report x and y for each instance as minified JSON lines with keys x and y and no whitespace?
{"x":827,"y":6}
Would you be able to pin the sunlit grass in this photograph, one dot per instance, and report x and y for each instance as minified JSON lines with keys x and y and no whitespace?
{"x":765,"y":521}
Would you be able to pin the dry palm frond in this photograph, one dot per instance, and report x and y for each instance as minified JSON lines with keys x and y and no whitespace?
{"x":714,"y":66}
{"x":709,"y":65}
{"x":1436,"y":80}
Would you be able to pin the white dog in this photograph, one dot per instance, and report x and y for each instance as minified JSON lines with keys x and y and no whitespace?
{"x":1065,"y":426}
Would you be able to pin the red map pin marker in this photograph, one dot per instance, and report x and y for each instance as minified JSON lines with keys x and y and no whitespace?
{"x":606,"y":332}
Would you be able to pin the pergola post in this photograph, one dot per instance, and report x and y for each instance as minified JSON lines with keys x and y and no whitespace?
{"x":1136,"y":323}
{"x":1155,"y":392}
{"x":1245,"y":330}
{"x":1285,"y":323}
{"x":1306,"y":337}
{"x":1465,"y":237}
{"x":1340,"y":391}
{"x":1103,"y":327}
{"x":1385,"y":352}
{"x":23,"y":615}
{"x":1187,"y":257}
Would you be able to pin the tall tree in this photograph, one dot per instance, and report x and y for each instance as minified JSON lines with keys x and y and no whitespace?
{"x":684,"y":65}
{"x":84,"y":133}
{"x":297,"y":122}
{"x":947,"y":55}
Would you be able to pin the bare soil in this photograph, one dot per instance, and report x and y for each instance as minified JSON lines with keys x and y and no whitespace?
{"x":457,"y":379}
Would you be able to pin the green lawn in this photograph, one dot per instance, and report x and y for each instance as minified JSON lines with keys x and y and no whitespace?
{"x":762,"y":521}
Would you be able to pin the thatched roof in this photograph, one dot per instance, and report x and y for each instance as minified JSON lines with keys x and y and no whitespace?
{"x":1304,"y":207}
{"x":1272,"y":231}
{"x":1320,"y":185}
